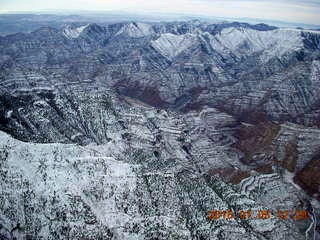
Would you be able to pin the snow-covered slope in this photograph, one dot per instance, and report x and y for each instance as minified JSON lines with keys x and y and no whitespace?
{"x":125,"y":190}
{"x":137,"y":130}
{"x":245,"y":42}
{"x":170,"y":45}
{"x":71,"y":33}
{"x":136,"y":30}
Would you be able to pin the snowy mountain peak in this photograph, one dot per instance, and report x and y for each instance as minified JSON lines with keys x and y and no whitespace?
{"x":170,"y":45}
{"x":136,"y":29}
{"x":71,"y":33}
{"x":244,"y":41}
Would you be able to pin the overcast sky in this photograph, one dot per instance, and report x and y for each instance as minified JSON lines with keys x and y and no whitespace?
{"x":305,"y":11}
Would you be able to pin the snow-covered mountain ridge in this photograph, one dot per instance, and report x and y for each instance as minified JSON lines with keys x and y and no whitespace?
{"x":137,"y":130}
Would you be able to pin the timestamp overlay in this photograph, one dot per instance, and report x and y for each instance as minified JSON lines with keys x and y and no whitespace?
{"x":261,"y":214}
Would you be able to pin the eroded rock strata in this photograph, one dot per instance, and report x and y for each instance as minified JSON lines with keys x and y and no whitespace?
{"x":137,"y":130}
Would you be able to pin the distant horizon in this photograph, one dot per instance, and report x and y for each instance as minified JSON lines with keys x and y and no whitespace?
{"x":159,"y":16}
{"x":289,"y":11}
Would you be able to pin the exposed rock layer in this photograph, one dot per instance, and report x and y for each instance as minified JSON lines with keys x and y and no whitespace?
{"x":234,"y":117}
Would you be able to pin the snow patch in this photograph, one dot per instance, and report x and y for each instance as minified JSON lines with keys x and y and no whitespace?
{"x":288,"y":178}
{"x":136,"y":30}
{"x":78,"y":174}
{"x":170,"y":45}
{"x":242,"y":41}
{"x":9,"y":114}
{"x":71,"y":33}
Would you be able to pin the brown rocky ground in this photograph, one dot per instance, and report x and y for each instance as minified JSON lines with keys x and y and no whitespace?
{"x":309,"y":177}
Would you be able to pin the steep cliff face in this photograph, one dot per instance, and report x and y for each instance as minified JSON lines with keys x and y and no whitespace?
{"x":136,"y":131}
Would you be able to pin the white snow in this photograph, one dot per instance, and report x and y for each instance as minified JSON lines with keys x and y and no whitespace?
{"x":136,"y":30}
{"x":9,"y":114}
{"x":288,"y":178}
{"x":237,"y":41}
{"x":78,"y":174}
{"x":170,"y":45}
{"x":242,"y":41}
{"x":70,"y":32}
{"x":73,"y":137}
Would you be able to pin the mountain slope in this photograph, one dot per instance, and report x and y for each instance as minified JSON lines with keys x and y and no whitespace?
{"x":138,"y":130}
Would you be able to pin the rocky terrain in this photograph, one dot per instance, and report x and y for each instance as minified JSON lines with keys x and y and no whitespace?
{"x":137,"y":130}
